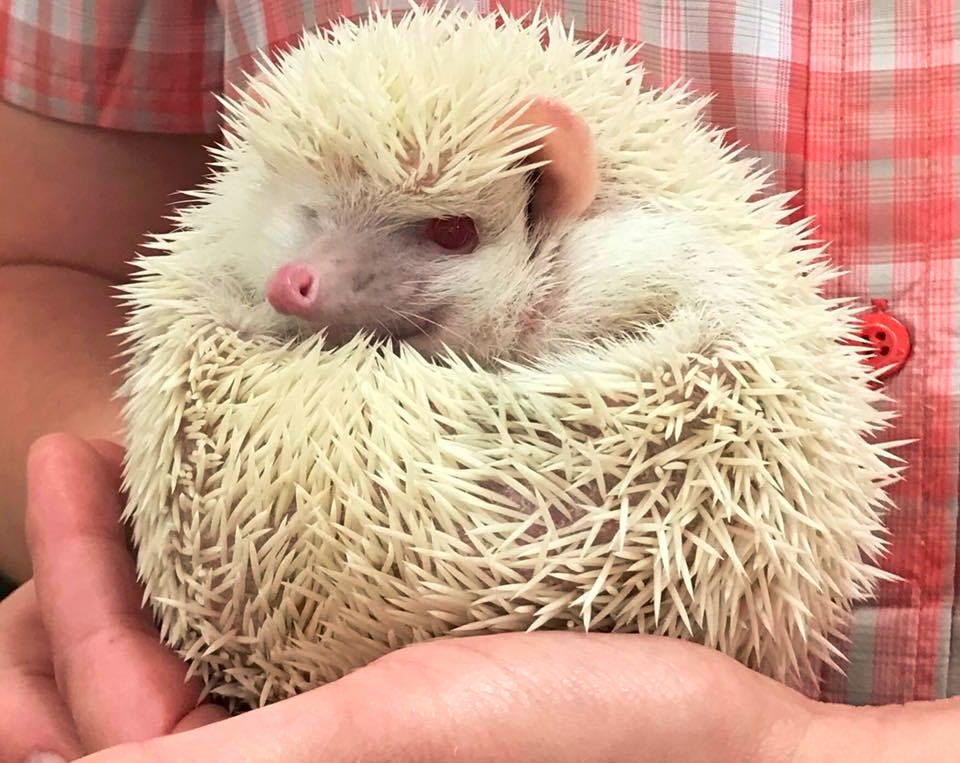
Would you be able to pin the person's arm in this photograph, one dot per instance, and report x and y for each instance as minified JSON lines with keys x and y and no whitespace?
{"x":76,"y":202}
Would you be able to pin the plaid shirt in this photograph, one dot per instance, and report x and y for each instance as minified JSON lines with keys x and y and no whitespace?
{"x":854,"y":103}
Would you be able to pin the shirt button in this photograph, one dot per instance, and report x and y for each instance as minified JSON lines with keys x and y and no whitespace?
{"x":887,"y":339}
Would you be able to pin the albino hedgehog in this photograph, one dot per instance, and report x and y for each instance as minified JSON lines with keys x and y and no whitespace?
{"x":470,"y":332}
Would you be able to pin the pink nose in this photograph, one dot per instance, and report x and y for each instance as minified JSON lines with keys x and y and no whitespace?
{"x":292,"y":290}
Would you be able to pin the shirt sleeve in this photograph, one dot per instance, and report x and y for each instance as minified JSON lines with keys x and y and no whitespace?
{"x":141,"y":65}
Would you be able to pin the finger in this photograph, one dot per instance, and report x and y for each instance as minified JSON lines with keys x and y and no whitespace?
{"x":111,"y":453}
{"x":119,"y":682}
{"x":33,"y":718}
{"x":554,"y":697}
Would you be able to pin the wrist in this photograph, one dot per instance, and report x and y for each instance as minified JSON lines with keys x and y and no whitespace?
{"x":925,"y":731}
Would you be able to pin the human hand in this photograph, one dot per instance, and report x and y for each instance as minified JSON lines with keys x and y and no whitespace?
{"x":80,"y":665}
{"x":101,"y":683}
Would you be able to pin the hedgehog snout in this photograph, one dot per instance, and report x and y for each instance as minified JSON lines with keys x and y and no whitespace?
{"x":293,"y":290}
{"x":342,"y":288}
{"x":327,"y":280}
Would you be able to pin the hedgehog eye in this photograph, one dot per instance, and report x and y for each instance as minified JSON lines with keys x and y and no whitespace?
{"x":456,"y":234}
{"x":307,"y":212}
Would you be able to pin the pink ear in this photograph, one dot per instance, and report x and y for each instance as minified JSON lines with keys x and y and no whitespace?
{"x":567,"y":184}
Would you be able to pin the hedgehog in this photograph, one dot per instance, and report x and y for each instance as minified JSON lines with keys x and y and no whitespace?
{"x":469,"y":331}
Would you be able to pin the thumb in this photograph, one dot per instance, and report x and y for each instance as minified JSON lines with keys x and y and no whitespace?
{"x":116,"y":678}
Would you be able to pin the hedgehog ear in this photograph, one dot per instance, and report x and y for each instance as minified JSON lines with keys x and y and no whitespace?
{"x":566,"y":185}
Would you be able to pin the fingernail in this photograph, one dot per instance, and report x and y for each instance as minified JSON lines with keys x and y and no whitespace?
{"x":46,"y":757}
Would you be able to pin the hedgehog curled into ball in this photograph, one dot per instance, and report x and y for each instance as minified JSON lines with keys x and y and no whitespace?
{"x":618,"y":401}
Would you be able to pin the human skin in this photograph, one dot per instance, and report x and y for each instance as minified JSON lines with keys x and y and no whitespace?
{"x":76,"y":203}
{"x":84,"y":673}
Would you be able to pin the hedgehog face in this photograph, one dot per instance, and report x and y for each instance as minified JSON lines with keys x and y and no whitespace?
{"x":345,"y":258}
{"x":414,"y":199}
{"x":336,"y":247}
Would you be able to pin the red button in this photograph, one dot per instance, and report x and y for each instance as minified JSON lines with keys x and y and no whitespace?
{"x":887,"y":338}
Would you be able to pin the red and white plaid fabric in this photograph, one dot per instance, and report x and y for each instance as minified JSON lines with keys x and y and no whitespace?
{"x":854,"y":103}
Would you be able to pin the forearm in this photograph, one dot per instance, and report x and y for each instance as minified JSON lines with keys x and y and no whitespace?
{"x":80,"y":200}
{"x":56,"y":375}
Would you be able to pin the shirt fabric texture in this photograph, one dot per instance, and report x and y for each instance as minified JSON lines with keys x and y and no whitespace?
{"x":854,"y":104}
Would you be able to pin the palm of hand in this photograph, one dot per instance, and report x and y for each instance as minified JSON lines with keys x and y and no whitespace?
{"x":84,"y":672}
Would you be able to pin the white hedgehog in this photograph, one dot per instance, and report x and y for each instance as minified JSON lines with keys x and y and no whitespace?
{"x":470,"y":332}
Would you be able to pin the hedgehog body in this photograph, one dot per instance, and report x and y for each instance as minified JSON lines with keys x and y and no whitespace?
{"x":301,"y":509}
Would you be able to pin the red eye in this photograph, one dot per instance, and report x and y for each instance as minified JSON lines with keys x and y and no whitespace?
{"x":453,"y":233}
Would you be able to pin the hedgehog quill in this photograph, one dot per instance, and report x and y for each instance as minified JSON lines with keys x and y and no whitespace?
{"x":446,"y":348}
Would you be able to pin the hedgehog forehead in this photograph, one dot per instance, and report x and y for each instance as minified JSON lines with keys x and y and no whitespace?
{"x":355,"y":187}
{"x":413,"y":113}
{"x":423,"y":152}
{"x":415,"y":105}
